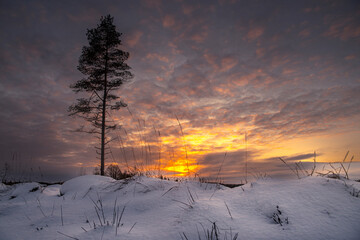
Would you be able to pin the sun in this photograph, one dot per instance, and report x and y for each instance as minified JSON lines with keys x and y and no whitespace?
{"x":181,"y":169}
{"x":195,"y":143}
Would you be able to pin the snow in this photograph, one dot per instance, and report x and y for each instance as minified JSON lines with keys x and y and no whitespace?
{"x":84,"y":184}
{"x":53,"y":190}
{"x":2,"y":187}
{"x":90,"y":207}
{"x":24,"y":188}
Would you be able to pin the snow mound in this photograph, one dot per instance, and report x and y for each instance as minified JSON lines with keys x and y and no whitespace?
{"x":96,"y":207}
{"x":23,"y":189}
{"x":52,"y":190}
{"x":84,"y":183}
{"x":3,"y":187}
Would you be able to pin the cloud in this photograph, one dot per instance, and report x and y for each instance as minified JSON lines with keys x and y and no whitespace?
{"x":304,"y":33}
{"x":239,"y":166}
{"x":199,"y":37}
{"x":158,"y":57}
{"x":133,"y":39}
{"x":219,"y":163}
{"x":310,"y":113}
{"x":343,"y":29}
{"x":302,"y":157}
{"x":312,"y":9}
{"x":188,"y":9}
{"x":153,"y":3}
{"x":350,"y":57}
{"x":228,"y":63}
{"x":168,"y":21}
{"x":254,"y":33}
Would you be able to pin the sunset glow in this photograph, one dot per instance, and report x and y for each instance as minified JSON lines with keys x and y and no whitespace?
{"x":206,"y":73}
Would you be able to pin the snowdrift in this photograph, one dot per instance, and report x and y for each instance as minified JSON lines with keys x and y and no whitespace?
{"x":84,"y":184}
{"x":95,"y":207}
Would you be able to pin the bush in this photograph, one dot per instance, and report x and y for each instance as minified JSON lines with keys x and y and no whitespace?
{"x":114,"y":172}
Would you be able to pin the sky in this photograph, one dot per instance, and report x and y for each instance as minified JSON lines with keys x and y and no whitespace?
{"x":221,"y":87}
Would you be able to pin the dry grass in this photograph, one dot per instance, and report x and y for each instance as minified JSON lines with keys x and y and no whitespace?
{"x":299,"y":170}
{"x":338,"y":172}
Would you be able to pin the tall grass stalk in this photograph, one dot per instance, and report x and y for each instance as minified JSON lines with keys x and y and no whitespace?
{"x":227,"y":207}
{"x":337,"y":171}
{"x":67,"y":235}
{"x":246,"y":157}
{"x":118,"y":219}
{"x":184,"y":143}
{"x":62,"y":219}
{"x":295,"y":172}
{"x":217,"y":180}
{"x":132,"y":227}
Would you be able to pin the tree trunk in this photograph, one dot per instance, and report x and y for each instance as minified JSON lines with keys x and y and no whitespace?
{"x":103,"y":120}
{"x":102,"y":172}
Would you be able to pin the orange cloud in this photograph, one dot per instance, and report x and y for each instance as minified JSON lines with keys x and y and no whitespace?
{"x":314,"y":58}
{"x":224,"y":90}
{"x":153,"y":3}
{"x":211,"y":60}
{"x":227,"y":63}
{"x":350,"y":57}
{"x":133,"y":38}
{"x":255,"y":33}
{"x":240,"y":80}
{"x":158,"y":57}
{"x":168,"y":21}
{"x":260,"y":52}
{"x":304,"y":33}
{"x":199,"y":37}
{"x":288,"y":71}
{"x":343,"y":29}
{"x":188,"y":9}
{"x":278,"y":61}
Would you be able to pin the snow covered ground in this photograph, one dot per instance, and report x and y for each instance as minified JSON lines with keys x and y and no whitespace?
{"x":95,"y":207}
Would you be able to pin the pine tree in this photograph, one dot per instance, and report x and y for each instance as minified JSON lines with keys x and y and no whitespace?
{"x":103,"y":64}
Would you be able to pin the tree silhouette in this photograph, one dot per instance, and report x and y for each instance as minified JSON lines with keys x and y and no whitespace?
{"x":103,"y":64}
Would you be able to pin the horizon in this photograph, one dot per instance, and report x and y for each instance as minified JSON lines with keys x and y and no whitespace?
{"x":221,"y":87}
